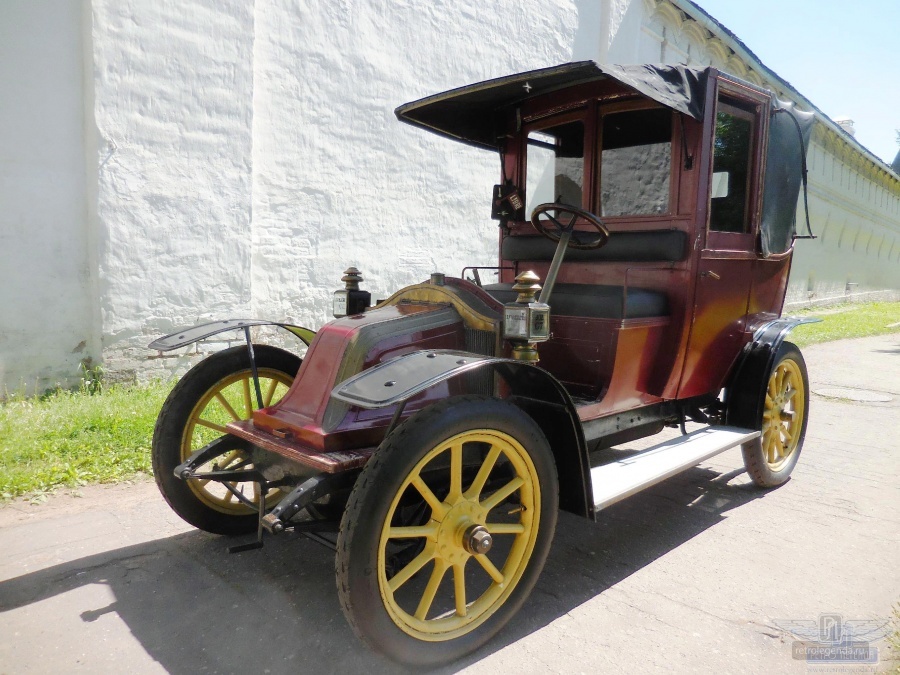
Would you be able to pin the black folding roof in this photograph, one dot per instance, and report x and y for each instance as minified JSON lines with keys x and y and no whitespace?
{"x":468,"y":114}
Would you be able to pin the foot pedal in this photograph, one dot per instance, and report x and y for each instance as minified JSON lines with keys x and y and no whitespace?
{"x":262,"y":491}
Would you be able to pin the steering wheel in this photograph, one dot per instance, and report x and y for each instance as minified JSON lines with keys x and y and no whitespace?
{"x":554,"y":230}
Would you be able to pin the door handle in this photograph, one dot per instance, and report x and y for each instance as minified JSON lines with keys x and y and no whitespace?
{"x":710,"y":274}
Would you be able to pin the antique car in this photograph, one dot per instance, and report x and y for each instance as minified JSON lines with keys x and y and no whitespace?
{"x":646,"y":226}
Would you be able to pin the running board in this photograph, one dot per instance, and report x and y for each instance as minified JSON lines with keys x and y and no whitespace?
{"x":617,"y":480}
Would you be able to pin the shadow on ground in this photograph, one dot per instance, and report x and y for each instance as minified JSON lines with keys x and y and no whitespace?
{"x":189,"y":603}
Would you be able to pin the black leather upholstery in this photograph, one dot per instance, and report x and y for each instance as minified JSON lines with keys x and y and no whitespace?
{"x":603,"y":302}
{"x":650,"y":246}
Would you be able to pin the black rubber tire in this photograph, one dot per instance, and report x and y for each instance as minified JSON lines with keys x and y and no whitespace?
{"x":357,"y":558}
{"x":173,"y":417}
{"x":759,"y":470}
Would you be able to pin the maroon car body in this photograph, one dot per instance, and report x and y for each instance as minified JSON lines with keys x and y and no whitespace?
{"x":709,"y":290}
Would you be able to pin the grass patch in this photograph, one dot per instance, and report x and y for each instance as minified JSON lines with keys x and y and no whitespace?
{"x":74,"y":438}
{"x":847,"y":321}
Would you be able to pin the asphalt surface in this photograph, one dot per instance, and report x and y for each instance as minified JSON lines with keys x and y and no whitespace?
{"x":699,"y":574}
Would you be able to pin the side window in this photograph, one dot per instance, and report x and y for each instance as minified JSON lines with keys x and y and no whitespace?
{"x":732,"y":155}
{"x":635,"y":163}
{"x":554,"y":169}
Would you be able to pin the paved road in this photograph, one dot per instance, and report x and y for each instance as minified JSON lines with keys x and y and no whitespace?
{"x":691,"y":576}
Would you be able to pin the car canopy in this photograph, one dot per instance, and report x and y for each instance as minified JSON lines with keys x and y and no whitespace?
{"x":467,"y":114}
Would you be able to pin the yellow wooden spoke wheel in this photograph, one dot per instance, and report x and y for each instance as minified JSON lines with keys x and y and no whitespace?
{"x":455,"y":514}
{"x":784,"y":413}
{"x":460,"y":530}
{"x":233,"y":398}
{"x":216,"y":391}
{"x":771,"y":458}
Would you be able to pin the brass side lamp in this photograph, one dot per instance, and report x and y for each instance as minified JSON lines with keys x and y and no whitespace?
{"x":526,"y":321}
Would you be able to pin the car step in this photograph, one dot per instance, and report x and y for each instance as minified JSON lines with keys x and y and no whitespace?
{"x":617,"y":480}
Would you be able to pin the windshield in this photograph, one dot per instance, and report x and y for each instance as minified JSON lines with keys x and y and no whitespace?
{"x":555,"y":166}
{"x":635,"y":148}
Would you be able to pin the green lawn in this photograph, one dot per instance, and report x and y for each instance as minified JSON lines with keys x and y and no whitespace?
{"x":847,"y":321}
{"x":73,"y":438}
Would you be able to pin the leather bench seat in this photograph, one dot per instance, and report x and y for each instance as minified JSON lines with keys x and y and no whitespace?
{"x":646,"y":246}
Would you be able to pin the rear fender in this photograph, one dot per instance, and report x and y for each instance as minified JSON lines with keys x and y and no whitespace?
{"x":533,"y":389}
{"x":746,"y":388}
{"x":188,"y":336}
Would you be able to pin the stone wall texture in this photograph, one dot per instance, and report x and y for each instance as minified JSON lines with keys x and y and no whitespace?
{"x":171,"y":162}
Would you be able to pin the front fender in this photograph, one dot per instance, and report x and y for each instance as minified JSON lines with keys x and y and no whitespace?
{"x":401,"y":378}
{"x":533,"y":389}
{"x":746,"y":389}
{"x":187,"y":336}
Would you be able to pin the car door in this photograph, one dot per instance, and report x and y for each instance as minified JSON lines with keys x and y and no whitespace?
{"x":726,"y":261}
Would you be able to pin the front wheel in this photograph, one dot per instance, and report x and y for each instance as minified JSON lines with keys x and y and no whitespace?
{"x":771,"y":458}
{"x":447,"y":529}
{"x":216,"y":391}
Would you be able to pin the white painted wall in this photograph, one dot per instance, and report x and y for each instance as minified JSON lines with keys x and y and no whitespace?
{"x":253,"y":154}
{"x":338,"y":181}
{"x":173,"y":105}
{"x":46,"y":297}
{"x":856,"y":215}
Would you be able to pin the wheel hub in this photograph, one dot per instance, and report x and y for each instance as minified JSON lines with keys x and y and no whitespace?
{"x":456,"y":536}
{"x":477,"y":540}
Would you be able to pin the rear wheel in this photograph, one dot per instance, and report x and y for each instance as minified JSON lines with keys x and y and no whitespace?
{"x":216,"y":391}
{"x":771,"y":458}
{"x":447,"y":530}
